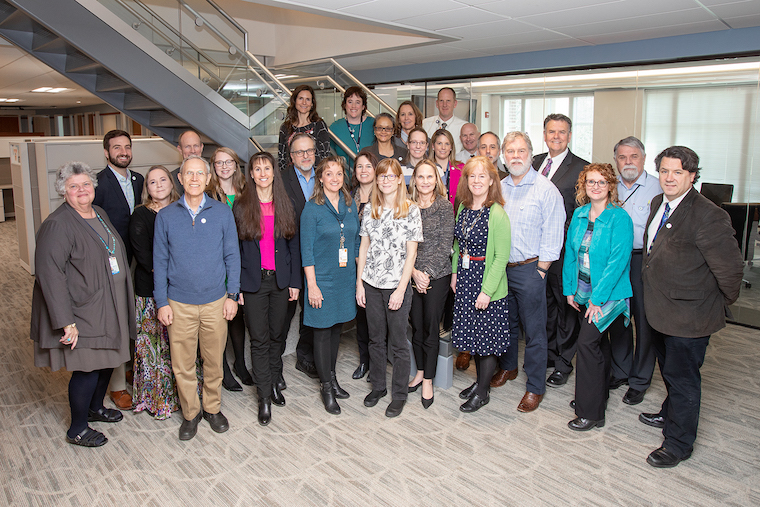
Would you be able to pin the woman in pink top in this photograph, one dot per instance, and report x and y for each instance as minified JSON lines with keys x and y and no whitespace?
{"x":443,"y":153}
{"x":270,"y":273}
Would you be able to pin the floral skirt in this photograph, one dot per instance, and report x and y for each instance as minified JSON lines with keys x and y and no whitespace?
{"x":154,"y":388}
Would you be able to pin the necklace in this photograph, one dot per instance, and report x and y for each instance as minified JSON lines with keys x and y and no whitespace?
{"x":111,"y":244}
{"x":467,"y":230}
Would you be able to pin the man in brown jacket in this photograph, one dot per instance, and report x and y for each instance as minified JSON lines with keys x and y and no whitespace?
{"x":692,"y":270}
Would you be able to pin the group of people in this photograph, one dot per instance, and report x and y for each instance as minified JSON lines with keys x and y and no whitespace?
{"x":426,"y":229}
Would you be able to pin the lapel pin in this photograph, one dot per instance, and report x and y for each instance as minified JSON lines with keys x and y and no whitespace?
{"x":203,"y":220}
{"x":668,"y":226}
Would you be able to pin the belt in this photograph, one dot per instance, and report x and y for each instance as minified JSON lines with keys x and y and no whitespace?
{"x":474,"y":258}
{"x":521,"y":263}
{"x":638,"y":251}
{"x":267,"y":272}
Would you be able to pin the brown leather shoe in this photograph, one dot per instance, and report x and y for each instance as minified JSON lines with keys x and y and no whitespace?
{"x":463,"y":361}
{"x":121,"y":399}
{"x":501,"y":376}
{"x":530,"y":402}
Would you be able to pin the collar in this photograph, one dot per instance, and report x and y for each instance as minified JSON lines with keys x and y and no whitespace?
{"x":640,"y":181}
{"x":557,"y":161}
{"x":119,"y":177}
{"x":300,"y":175}
{"x":528,"y":179}
{"x":584,"y":210}
{"x":675,"y":202}
{"x":183,"y":202}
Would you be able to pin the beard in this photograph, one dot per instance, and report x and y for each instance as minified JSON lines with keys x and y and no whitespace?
{"x":518,"y":167}
{"x":629,"y":173}
{"x":116,"y":163}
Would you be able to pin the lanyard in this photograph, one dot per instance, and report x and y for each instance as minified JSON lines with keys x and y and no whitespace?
{"x":467,"y":230}
{"x":351,"y":132}
{"x":631,"y":194}
{"x":111,"y":238}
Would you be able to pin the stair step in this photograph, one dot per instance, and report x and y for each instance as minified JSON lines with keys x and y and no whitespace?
{"x":164,"y":118}
{"x":48,"y":42}
{"x":138,"y":101}
{"x":107,"y":82}
{"x":77,"y":62}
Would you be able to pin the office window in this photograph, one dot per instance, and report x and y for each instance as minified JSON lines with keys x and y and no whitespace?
{"x":719,"y":123}
{"x":527,"y":115}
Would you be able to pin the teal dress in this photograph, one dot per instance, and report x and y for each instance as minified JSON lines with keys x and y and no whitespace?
{"x":320,"y":242}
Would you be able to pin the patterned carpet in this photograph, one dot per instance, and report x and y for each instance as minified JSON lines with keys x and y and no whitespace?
{"x":439,"y":456}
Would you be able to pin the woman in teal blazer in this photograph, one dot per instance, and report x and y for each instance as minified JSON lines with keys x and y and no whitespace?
{"x":596,"y":281}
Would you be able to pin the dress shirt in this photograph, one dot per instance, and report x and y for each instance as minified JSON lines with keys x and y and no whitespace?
{"x":307,"y":187}
{"x":636,"y":202}
{"x":453,"y":125}
{"x":657,"y":218}
{"x":193,"y":214}
{"x":464,"y":155}
{"x":556,"y":162}
{"x":125,"y":182}
{"x":536,"y":215}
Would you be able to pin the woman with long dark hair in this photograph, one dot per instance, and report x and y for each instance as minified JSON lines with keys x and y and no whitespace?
{"x":270,"y":272}
{"x":302,"y":117}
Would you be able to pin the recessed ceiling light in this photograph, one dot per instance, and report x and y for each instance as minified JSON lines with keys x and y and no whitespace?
{"x":57,"y":90}
{"x":12,"y":100}
{"x":42,"y":89}
{"x":3,"y":100}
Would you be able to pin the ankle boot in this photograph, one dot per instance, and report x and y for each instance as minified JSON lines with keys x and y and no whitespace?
{"x":328,"y":398}
{"x":340,"y":393}
{"x":265,"y":410}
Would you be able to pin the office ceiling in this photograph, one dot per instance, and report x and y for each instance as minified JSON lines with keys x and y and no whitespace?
{"x":438,"y":30}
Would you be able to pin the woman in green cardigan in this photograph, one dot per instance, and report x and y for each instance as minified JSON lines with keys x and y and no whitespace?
{"x":479,"y":279}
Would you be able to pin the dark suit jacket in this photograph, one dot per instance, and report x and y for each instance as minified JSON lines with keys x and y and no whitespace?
{"x":108,"y":195}
{"x":293,"y":188}
{"x":287,"y":260}
{"x":564,"y":179}
{"x":693,"y":270}
{"x":177,"y":185}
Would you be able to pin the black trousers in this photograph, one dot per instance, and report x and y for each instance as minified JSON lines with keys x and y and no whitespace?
{"x":265,"y":316}
{"x":680,"y":360}
{"x":305,"y":347}
{"x":236,"y":336}
{"x":561,"y":322}
{"x":362,"y":334}
{"x":393,"y":324}
{"x":425,"y":316}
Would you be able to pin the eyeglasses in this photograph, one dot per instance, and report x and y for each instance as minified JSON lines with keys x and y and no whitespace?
{"x":224,"y":163}
{"x":417,"y":143}
{"x":388,"y":176}
{"x":383,"y":129}
{"x":303,"y":153}
{"x":600,"y":183}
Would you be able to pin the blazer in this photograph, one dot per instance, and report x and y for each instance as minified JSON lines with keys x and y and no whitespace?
{"x":287,"y":260}
{"x":108,"y":195}
{"x":293,"y":188}
{"x":609,"y":254}
{"x":693,"y":270}
{"x":73,"y":284}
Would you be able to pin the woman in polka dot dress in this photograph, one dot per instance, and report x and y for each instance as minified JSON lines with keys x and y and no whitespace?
{"x":481,"y":252}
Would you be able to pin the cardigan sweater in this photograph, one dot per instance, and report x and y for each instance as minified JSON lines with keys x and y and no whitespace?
{"x":609,"y":254}
{"x":497,"y":253}
{"x":434,"y":254}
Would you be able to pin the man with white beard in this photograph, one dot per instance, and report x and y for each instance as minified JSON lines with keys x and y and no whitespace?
{"x":636,"y":189}
{"x":537,"y":222}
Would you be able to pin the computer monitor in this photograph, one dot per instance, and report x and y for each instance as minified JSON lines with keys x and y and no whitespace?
{"x":717,"y":192}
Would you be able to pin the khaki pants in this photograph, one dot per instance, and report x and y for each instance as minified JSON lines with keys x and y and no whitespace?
{"x":194,"y":327}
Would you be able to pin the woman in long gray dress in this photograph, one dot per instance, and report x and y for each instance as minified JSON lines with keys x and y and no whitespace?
{"x":83,"y":312}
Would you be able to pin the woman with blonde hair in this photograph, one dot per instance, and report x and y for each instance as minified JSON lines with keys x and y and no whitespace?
{"x":391,"y":228}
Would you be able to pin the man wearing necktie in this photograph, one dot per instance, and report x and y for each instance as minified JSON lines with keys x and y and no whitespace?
{"x":692,"y":271}
{"x":446,"y":102}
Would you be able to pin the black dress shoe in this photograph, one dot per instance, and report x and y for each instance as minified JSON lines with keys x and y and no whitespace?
{"x":88,"y":437}
{"x":572,"y":403}
{"x":281,"y":385}
{"x":412,"y":389}
{"x":427,"y":402}
{"x":633,"y":396}
{"x":307,"y":367}
{"x":231,"y":384}
{"x":663,"y":458}
{"x":328,"y":398}
{"x":474,"y":403}
{"x":617,"y":382}
{"x":340,"y":393}
{"x":360,"y":371}
{"x":557,"y":379}
{"x":373,"y":397}
{"x":653,"y":420}
{"x":583,"y":424}
{"x":188,"y":429}
{"x":265,"y":410}
{"x":245,"y":377}
{"x":394,"y":408}
{"x":217,"y":421}
{"x":467,"y":393}
{"x":277,"y":397}
{"x":103,"y":414}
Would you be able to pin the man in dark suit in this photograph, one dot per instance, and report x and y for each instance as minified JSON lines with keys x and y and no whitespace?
{"x":119,"y":190}
{"x":299,"y":183}
{"x":189,"y":143}
{"x":692,"y":270}
{"x":562,"y":167}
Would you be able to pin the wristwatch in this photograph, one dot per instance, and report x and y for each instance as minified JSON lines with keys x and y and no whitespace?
{"x":233,"y":296}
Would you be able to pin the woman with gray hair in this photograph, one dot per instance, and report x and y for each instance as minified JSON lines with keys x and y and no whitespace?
{"x":83,"y":312}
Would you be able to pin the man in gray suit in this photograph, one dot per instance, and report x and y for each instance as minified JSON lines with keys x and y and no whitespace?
{"x":692,"y":270}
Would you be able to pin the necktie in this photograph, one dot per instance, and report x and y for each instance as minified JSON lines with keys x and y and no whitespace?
{"x":662,"y":222}
{"x":548,"y":168}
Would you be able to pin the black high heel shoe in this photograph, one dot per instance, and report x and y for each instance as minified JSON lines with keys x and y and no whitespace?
{"x":414,"y":388}
{"x":427,"y":402}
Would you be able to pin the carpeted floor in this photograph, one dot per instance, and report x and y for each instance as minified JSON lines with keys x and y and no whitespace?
{"x":439,"y":456}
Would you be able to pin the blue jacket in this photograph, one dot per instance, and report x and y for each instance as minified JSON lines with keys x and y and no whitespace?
{"x":196,"y":263}
{"x":609,"y":254}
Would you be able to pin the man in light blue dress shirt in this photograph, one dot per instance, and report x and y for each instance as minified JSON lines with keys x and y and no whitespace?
{"x":636,"y":189}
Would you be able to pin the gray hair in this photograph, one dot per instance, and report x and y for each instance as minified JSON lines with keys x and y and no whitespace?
{"x":512,"y":136}
{"x":70,"y":169}
{"x":195,"y":157}
{"x":631,"y":141}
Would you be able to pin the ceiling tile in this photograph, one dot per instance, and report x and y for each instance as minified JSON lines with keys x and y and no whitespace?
{"x":449,"y":19}
{"x":655,"y":32}
{"x":734,"y":10}
{"x":399,"y":10}
{"x":640,"y":23}
{"x":533,"y":8}
{"x":743,"y":21}
{"x":489,"y":29}
{"x":504,"y":40}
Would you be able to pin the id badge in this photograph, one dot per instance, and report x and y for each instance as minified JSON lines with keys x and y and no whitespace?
{"x":466,"y":261}
{"x":343,"y":257}
{"x":114,"y":265}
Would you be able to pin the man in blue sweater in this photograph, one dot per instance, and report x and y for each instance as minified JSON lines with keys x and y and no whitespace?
{"x":196,"y":270}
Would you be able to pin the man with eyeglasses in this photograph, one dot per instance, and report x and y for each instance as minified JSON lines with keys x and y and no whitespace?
{"x":469,"y":136}
{"x":537,"y":219}
{"x":196,"y":274}
{"x":298,"y":178}
{"x":445,"y":119}
{"x":189,"y":143}
{"x":636,"y":189}
{"x":562,"y":168}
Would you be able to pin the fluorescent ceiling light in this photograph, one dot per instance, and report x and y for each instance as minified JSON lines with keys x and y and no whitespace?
{"x":42,"y":89}
{"x":3,"y":100}
{"x":12,"y":100}
{"x":57,"y":90}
